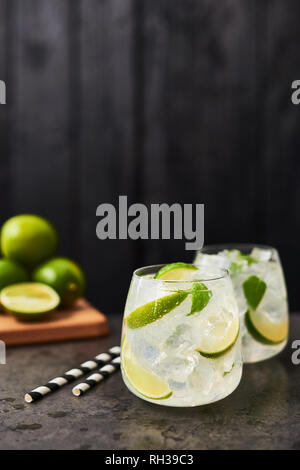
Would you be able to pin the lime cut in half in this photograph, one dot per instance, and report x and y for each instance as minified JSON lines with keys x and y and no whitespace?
{"x":175,"y":272}
{"x":154,"y":310}
{"x":221,"y":333}
{"x":29,"y":301}
{"x":142,"y":380}
{"x":264,"y":329}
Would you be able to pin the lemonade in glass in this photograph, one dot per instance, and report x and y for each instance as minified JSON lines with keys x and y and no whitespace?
{"x":181,"y":341}
{"x":261,"y":295}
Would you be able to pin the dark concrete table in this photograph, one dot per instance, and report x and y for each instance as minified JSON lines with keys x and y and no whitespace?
{"x":263,"y":413}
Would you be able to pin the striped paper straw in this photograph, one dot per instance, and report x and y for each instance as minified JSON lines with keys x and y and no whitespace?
{"x":96,"y":378}
{"x":73,"y":374}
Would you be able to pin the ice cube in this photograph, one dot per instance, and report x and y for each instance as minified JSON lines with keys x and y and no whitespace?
{"x":261,"y":254}
{"x":211,"y":261}
{"x":274,"y":304}
{"x":179,"y":339}
{"x":204,"y":376}
{"x":148,"y":354}
{"x":227,"y":361}
{"x":177,"y":368}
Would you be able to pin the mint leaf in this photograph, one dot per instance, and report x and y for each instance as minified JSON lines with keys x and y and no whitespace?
{"x":200,"y":297}
{"x":235,"y":267}
{"x":228,"y":371}
{"x":254,"y":289}
{"x":250,"y":260}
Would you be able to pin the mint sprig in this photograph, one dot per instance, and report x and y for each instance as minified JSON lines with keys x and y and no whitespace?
{"x":250,"y":260}
{"x":200,"y":297}
{"x":254,"y":289}
{"x":236,"y":267}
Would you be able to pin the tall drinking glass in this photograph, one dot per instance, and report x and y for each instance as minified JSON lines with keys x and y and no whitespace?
{"x":261,"y":295}
{"x":181,"y":338}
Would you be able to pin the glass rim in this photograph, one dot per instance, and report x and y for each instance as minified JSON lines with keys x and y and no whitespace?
{"x":155,"y":267}
{"x":237,"y":245}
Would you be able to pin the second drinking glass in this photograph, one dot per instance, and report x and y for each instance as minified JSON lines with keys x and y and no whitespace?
{"x":261,"y":295}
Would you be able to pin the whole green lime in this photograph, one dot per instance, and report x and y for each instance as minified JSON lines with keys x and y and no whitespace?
{"x":11,"y":272}
{"x":65,"y":276}
{"x":29,"y":239}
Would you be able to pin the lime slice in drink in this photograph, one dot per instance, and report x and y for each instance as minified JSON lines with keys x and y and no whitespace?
{"x":154,"y":310}
{"x":220,"y":332}
{"x":175,"y":272}
{"x":29,"y":301}
{"x":142,"y":380}
{"x":265,"y":329}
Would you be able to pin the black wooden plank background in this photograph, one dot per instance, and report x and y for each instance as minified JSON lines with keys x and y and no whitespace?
{"x":161,"y":100}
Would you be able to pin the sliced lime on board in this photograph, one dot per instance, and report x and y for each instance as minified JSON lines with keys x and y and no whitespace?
{"x":263,"y":329}
{"x":142,"y":380}
{"x":175,"y":272}
{"x":154,"y":310}
{"x":29,"y":301}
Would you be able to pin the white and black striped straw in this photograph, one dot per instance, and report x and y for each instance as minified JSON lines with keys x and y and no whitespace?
{"x":102,"y":359}
{"x":96,"y":378}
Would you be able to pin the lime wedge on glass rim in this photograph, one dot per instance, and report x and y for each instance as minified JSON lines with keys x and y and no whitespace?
{"x":142,"y":380}
{"x":29,"y":301}
{"x":175,"y":272}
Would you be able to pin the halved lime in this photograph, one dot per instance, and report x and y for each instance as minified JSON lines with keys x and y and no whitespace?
{"x":142,"y":380}
{"x":220,"y":331}
{"x":175,"y":272}
{"x":29,"y":301}
{"x":264,"y":329}
{"x":154,"y":310}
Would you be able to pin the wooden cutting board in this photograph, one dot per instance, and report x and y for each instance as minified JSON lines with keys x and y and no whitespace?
{"x":82,"y":321}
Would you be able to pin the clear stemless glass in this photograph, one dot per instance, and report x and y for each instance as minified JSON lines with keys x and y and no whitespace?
{"x":181,"y":341}
{"x":261,"y":295}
